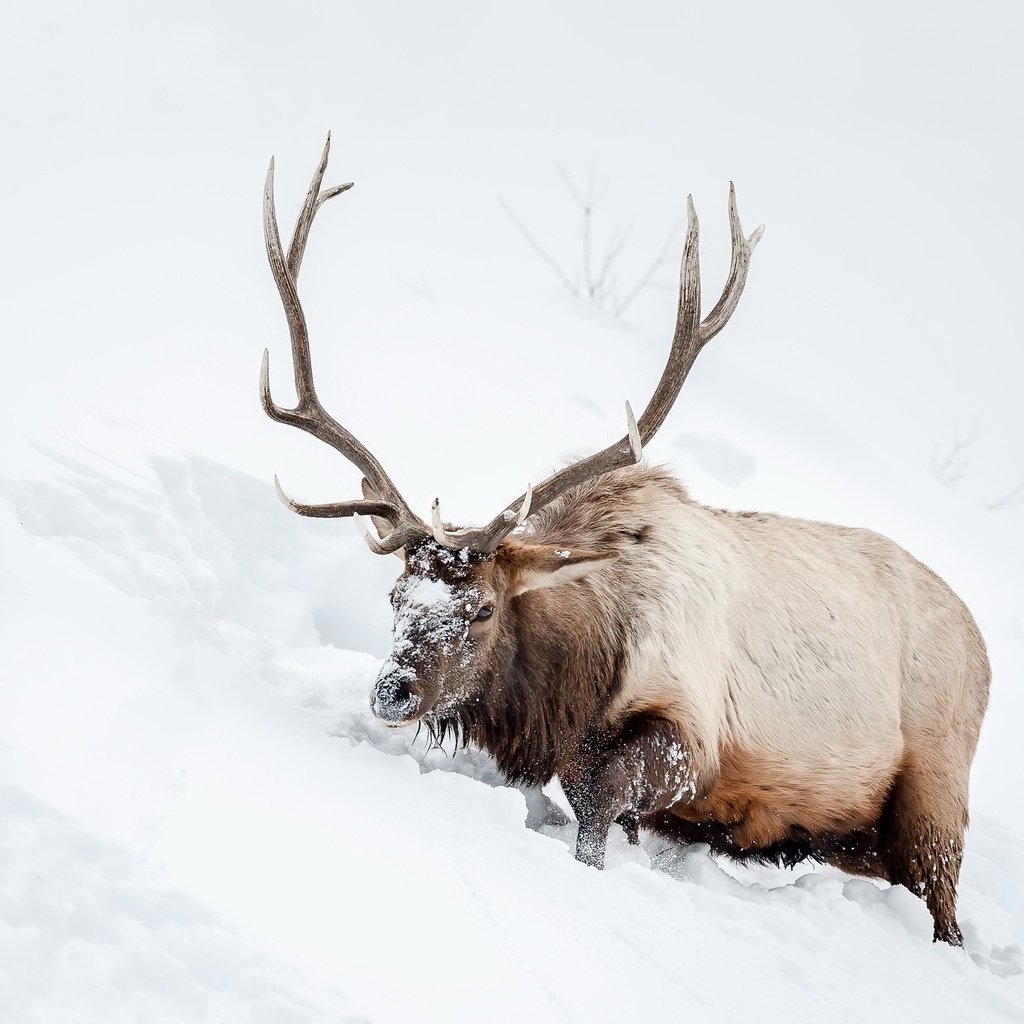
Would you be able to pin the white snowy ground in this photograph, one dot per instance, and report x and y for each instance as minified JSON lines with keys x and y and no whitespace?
{"x":199,"y":820}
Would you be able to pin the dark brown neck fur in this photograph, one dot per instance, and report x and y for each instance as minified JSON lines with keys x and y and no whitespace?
{"x":552,"y":677}
{"x":559,"y":659}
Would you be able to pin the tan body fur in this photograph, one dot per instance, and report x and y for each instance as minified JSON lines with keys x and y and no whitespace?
{"x":814,"y":652}
{"x":817,"y":672}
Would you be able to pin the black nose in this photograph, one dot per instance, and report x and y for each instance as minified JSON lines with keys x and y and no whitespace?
{"x":392,"y":700}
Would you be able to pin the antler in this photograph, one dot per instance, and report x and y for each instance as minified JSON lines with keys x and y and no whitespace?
{"x":386,"y":502}
{"x":691,"y":335}
{"x":381,"y":498}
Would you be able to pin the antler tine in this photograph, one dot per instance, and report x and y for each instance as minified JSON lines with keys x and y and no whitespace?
{"x":437,"y":524}
{"x":739,"y":264}
{"x":309,"y":414}
{"x":690,"y":337}
{"x":301,"y":363}
{"x":315,"y":198}
{"x":404,"y":533}
{"x":337,"y":509}
{"x":373,"y":543}
{"x":686,"y":341}
{"x":636,"y":446}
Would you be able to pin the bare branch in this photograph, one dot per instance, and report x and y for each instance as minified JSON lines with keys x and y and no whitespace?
{"x":587,"y":202}
{"x":950,"y":469}
{"x":644,"y":281}
{"x":602,"y":285}
{"x":1009,"y":499}
{"x":539,"y":249}
{"x":573,"y":191}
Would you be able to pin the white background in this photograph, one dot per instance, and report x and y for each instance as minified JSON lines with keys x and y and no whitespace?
{"x":148,"y":581}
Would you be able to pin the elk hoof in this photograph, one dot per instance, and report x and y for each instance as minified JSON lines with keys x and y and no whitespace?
{"x":631,"y":826}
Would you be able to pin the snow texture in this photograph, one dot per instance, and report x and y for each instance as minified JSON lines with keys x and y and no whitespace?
{"x":165,"y":686}
{"x":200,"y":818}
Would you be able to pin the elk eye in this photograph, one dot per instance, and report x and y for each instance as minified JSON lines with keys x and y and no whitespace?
{"x":485,"y":612}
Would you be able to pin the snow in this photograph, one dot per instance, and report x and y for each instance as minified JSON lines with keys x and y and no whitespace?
{"x":430,"y":596}
{"x":200,"y":818}
{"x":88,"y":934}
{"x":167,"y":687}
{"x":429,"y":621}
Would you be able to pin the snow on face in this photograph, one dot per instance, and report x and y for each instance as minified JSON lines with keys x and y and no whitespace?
{"x":431,"y":632}
{"x":392,"y":700}
{"x":428,"y":614}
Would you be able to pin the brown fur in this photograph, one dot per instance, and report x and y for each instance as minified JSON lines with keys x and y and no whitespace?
{"x":763,"y":799}
{"x":613,"y":612}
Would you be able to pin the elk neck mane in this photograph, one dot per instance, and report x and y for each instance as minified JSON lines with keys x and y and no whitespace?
{"x":561,"y":652}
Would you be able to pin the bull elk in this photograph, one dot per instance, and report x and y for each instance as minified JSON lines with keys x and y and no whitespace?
{"x":777,"y":688}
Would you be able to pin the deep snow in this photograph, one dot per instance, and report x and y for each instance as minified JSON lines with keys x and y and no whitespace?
{"x":200,"y":820}
{"x":179,"y":679}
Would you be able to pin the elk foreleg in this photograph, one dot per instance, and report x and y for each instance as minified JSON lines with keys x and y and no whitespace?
{"x":647,"y":769}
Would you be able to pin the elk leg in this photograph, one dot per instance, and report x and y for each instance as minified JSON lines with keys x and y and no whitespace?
{"x":647,"y":769}
{"x":925,"y":824}
{"x":630,"y":822}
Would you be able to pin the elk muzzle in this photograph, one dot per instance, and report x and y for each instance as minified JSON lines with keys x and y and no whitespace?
{"x":395,"y":699}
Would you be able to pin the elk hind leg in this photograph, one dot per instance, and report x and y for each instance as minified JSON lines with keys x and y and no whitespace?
{"x":858,"y":853}
{"x":926,"y":818}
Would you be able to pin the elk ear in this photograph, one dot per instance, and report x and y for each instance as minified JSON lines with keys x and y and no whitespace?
{"x":534,"y":566}
{"x":382,"y":526}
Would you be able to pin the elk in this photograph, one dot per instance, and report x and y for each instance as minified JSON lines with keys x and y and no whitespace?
{"x":776,"y":688}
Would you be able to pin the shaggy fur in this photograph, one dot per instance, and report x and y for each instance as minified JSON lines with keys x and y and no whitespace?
{"x":779,"y":689}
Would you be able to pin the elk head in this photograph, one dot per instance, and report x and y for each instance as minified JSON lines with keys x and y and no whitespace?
{"x":452,"y":602}
{"x":452,"y":620}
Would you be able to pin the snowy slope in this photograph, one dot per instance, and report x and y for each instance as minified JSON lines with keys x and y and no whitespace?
{"x":199,"y":818}
{"x":87,"y":934}
{"x":182,"y":676}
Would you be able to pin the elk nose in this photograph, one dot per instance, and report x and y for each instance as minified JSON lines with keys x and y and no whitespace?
{"x":392,"y":700}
